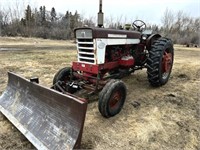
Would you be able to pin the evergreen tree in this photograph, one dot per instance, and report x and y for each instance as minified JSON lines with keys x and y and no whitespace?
{"x":42,"y":15}
{"x":53,"y":14}
{"x":28,"y":16}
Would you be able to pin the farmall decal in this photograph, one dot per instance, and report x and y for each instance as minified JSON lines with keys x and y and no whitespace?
{"x":117,"y":35}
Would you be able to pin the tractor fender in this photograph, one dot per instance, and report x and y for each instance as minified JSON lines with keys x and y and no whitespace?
{"x":151,"y":39}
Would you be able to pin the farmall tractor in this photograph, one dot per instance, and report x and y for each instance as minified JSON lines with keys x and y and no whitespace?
{"x":53,"y":118}
{"x":107,"y":55}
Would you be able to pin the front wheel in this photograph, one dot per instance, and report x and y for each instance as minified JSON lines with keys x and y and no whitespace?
{"x":112,"y":98}
{"x":160,"y":62}
{"x":61,"y":80}
{"x":62,"y":75}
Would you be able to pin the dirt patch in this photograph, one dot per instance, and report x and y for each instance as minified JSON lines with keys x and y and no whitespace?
{"x":152,"y":118}
{"x":183,"y":76}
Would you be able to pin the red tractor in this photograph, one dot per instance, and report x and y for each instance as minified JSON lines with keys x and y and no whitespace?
{"x":53,"y":120}
{"x":107,"y":55}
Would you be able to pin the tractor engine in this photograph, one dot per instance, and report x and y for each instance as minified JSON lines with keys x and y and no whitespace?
{"x":120,"y":54}
{"x":127,"y":61}
{"x":102,"y":51}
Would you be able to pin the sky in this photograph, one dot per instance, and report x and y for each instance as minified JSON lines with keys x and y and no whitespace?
{"x":128,"y":10}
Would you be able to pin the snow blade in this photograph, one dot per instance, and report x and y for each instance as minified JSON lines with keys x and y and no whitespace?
{"x":48,"y":119}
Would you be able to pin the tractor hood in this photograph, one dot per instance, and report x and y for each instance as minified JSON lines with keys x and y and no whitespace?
{"x":105,"y":33}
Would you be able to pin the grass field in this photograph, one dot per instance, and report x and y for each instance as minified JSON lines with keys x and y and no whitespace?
{"x":167,"y":118}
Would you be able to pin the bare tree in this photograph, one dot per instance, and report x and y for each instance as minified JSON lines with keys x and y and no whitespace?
{"x":167,"y":21}
{"x":1,"y":20}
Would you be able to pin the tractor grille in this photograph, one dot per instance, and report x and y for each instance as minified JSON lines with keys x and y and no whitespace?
{"x":86,"y":51}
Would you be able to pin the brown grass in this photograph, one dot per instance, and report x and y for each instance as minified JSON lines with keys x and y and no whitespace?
{"x":167,"y":118}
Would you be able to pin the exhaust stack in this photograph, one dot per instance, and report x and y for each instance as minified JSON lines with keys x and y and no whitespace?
{"x":100,"y":15}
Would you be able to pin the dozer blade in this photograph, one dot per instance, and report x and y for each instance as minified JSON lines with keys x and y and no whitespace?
{"x":49,"y":119}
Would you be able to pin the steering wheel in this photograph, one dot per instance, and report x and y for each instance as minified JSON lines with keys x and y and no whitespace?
{"x":139,"y":25}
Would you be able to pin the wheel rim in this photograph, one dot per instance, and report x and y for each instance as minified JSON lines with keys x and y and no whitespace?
{"x":115,"y":100}
{"x":167,"y":61}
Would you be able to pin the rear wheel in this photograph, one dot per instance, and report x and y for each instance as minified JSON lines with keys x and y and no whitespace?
{"x":112,"y":98}
{"x":160,"y":62}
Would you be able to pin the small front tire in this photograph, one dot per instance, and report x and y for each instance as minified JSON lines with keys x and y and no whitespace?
{"x":62,"y":76}
{"x":112,"y":98}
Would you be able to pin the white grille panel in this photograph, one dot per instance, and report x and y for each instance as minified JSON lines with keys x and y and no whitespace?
{"x":86,"y":53}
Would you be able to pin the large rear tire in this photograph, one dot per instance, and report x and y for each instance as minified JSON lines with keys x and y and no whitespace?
{"x":112,"y":98}
{"x":160,"y":62}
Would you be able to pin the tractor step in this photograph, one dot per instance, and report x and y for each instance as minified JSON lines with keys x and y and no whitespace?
{"x":47,"y":118}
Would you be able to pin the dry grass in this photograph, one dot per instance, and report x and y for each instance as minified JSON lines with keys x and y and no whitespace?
{"x":13,"y":41}
{"x":167,"y":118}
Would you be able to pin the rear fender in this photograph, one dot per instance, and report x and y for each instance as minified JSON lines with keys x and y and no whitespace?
{"x":151,"y":40}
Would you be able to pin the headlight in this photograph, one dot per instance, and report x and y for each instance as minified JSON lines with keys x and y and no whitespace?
{"x":84,"y":34}
{"x":144,"y":37}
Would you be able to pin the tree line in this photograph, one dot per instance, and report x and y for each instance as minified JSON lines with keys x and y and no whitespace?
{"x":41,"y":23}
{"x":179,"y":26}
{"x":182,"y":28}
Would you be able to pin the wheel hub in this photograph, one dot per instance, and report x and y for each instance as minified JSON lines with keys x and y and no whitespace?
{"x":116,"y":97}
{"x":167,"y":62}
